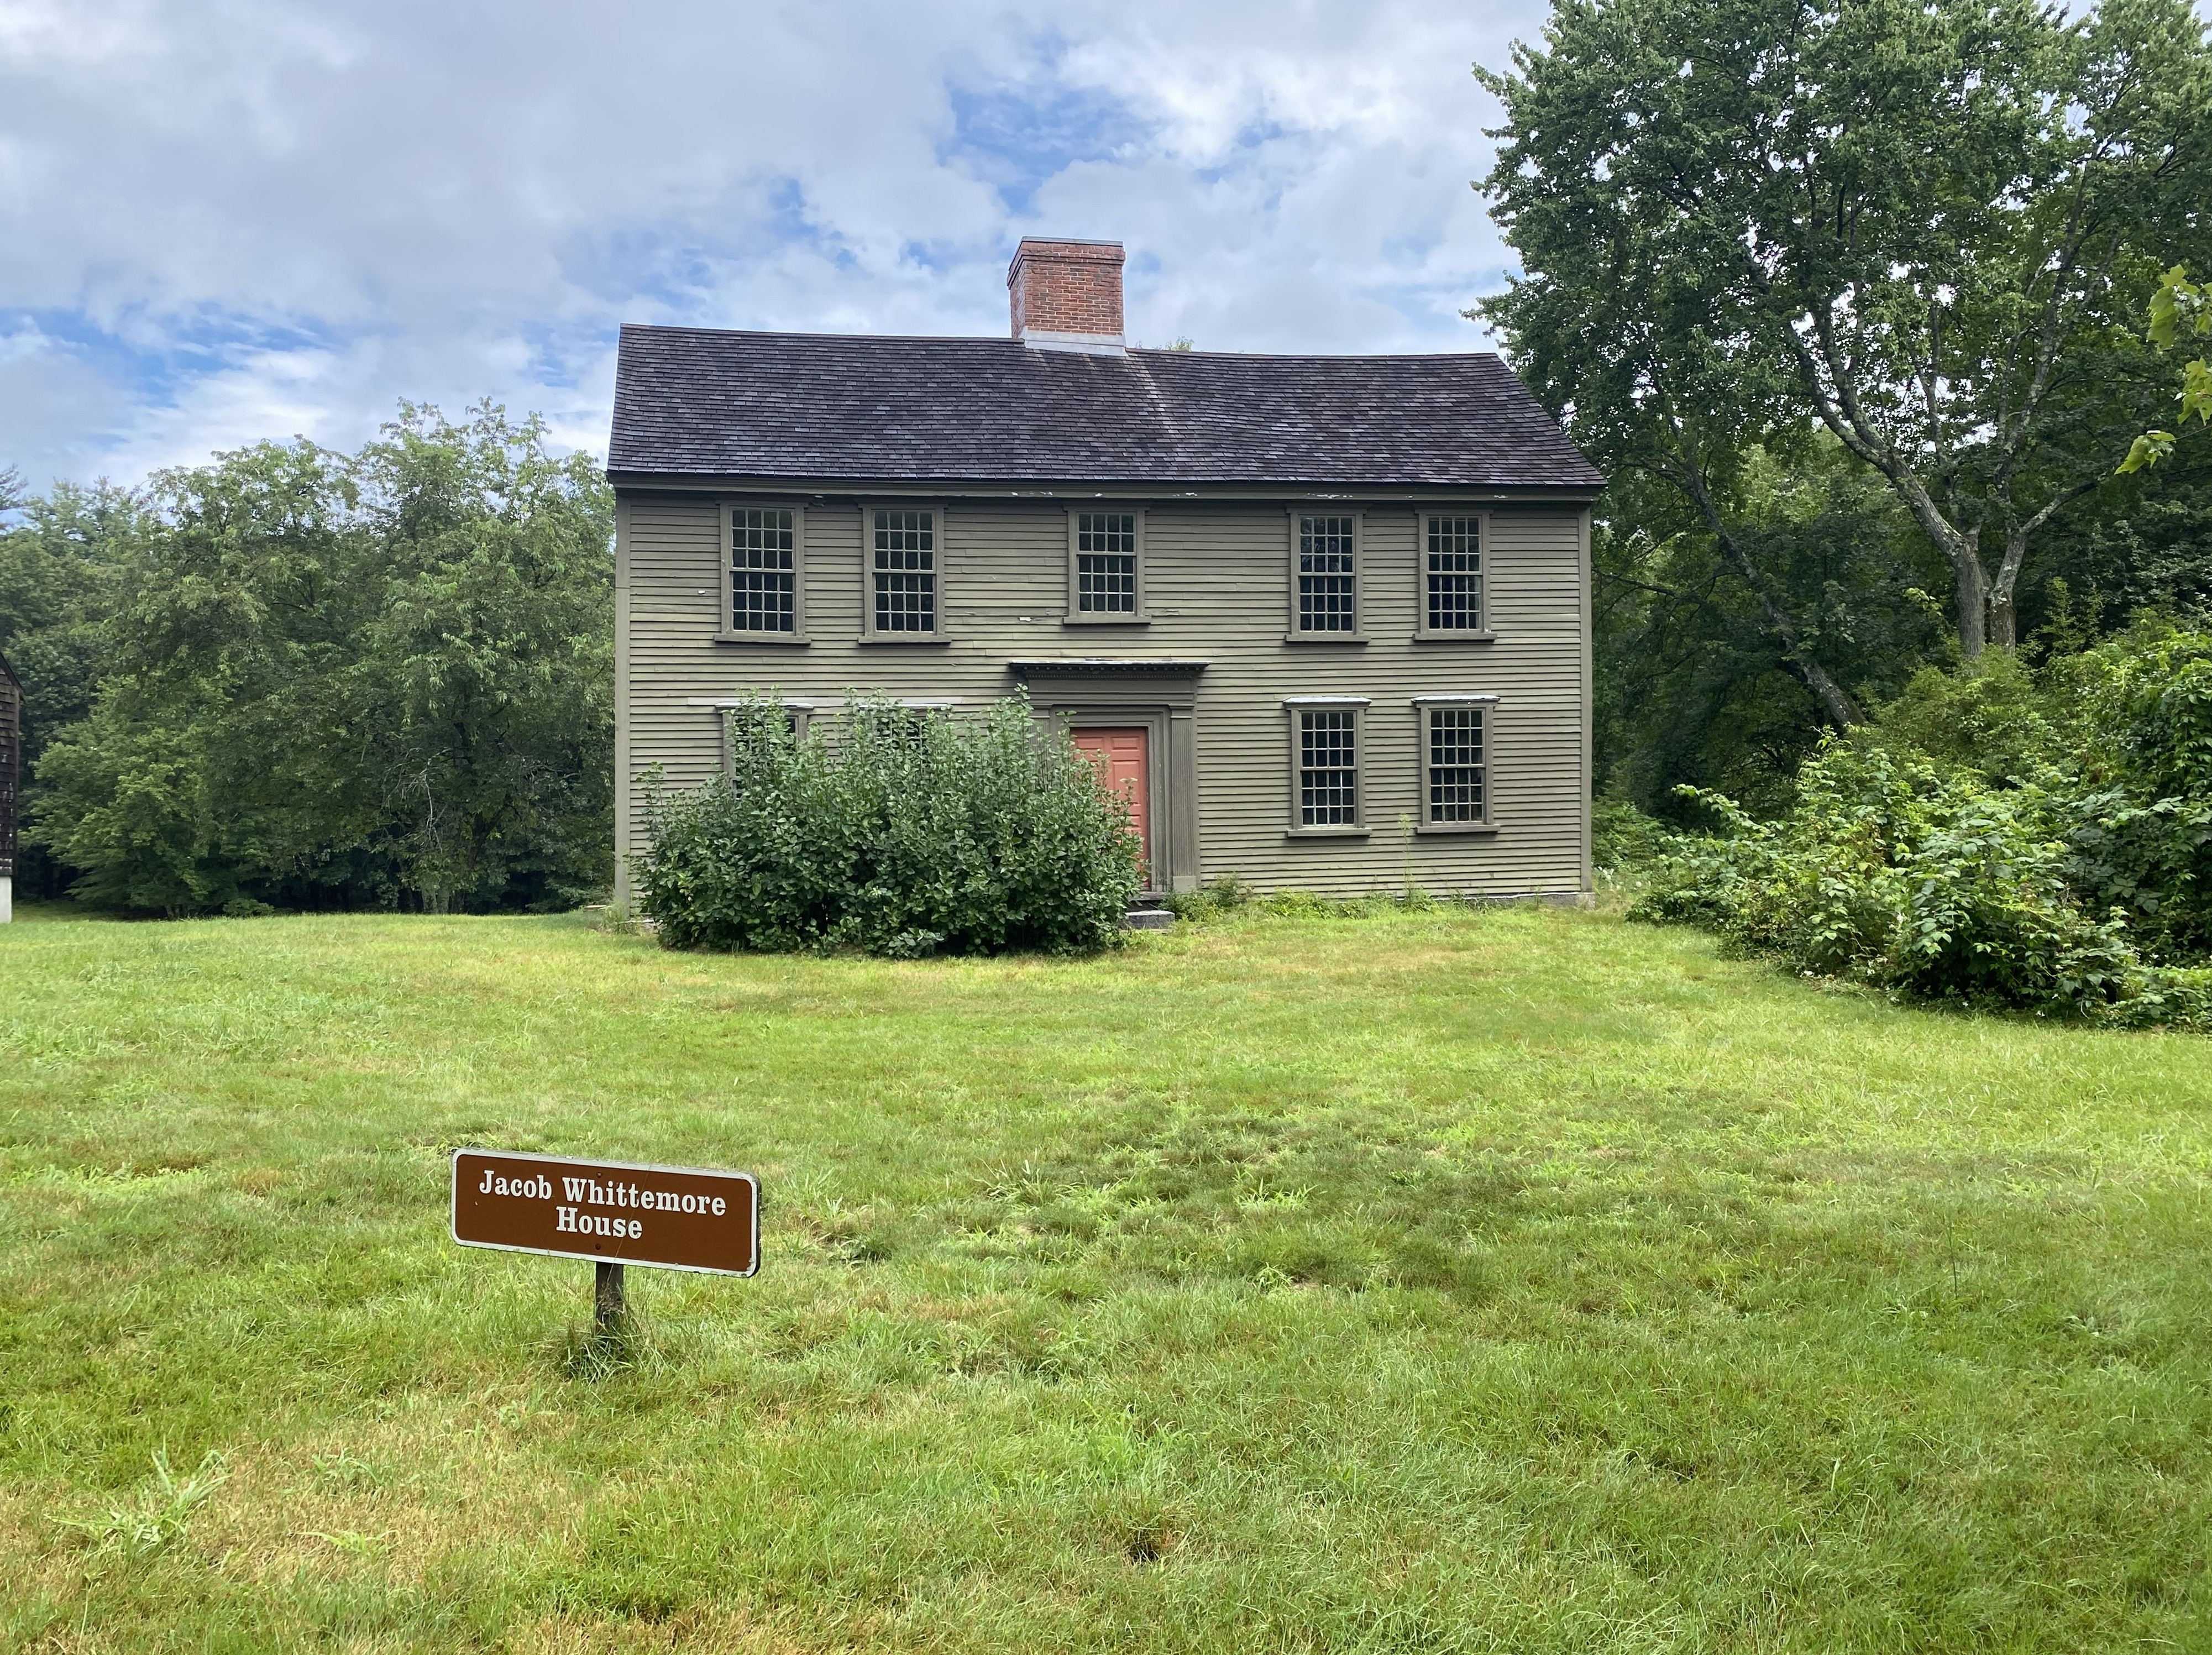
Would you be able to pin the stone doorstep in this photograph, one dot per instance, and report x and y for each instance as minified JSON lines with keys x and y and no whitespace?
{"x":1149,"y":919}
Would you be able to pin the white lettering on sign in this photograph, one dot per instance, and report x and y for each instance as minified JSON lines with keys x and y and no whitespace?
{"x":590,"y":1192}
{"x":596,"y":1224}
{"x":536,"y":1189}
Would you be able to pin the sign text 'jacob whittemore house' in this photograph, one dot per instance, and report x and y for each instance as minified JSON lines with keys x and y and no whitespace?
{"x":1292,"y":603}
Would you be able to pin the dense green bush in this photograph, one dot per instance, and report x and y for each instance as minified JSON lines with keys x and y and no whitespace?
{"x":899,"y":832}
{"x":2000,"y":837}
{"x":2118,"y":739}
{"x":1941,"y":887}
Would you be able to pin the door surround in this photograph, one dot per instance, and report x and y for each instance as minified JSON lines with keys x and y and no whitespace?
{"x":1161,"y":697}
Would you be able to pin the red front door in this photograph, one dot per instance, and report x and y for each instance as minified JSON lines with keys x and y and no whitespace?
{"x":1124,"y":760}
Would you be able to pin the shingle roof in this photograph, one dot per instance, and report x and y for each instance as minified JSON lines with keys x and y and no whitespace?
{"x":703,"y":402}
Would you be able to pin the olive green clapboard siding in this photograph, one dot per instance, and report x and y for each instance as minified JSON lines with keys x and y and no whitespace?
{"x":1216,"y":579}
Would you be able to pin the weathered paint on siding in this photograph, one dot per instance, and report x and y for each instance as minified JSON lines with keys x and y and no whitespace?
{"x":1216,"y":577}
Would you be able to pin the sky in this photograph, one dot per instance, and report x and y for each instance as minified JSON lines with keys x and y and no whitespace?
{"x":222,"y":221}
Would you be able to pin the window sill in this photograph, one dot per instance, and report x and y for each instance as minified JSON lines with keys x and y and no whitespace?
{"x":1425,"y":636}
{"x":904,"y":637}
{"x":1325,"y":833}
{"x":1457,"y":830}
{"x":1139,"y":620}
{"x":781,"y":639}
{"x":1324,"y":637}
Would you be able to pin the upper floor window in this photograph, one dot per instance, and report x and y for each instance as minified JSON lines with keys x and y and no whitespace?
{"x":1325,"y":577}
{"x":1104,"y":572}
{"x":1452,"y":575}
{"x":763,"y":570}
{"x":905,"y":592}
{"x":764,"y":553}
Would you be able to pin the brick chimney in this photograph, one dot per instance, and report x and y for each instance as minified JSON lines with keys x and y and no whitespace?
{"x":1066,"y":295}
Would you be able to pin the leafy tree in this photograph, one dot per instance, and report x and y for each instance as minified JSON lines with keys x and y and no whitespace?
{"x":487,"y":670}
{"x":1693,"y":686}
{"x":1911,"y":222}
{"x":60,"y":567}
{"x":2181,"y":309}
{"x":332,"y":679}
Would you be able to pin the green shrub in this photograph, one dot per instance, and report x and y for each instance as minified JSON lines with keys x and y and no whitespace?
{"x":1211,"y":900}
{"x":2141,"y":830}
{"x":1998,"y":718}
{"x":2000,"y":837}
{"x":1623,"y":836}
{"x":898,"y":832}
{"x":1940,"y":887}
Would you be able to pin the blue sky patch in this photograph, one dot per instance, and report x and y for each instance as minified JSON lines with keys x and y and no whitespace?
{"x":1017,"y":138}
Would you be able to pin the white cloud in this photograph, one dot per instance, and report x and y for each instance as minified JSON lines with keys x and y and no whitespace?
{"x":227,"y":219}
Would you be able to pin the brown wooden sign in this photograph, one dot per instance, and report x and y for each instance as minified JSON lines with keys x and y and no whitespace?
{"x":680,"y":1218}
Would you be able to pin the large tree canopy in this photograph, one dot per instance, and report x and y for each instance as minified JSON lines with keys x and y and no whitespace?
{"x":1925,"y":227}
{"x":331,"y":679}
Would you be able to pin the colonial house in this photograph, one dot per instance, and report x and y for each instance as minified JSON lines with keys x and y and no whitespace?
{"x":1326,"y":619}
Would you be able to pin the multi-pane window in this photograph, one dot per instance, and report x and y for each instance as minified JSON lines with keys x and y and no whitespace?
{"x":904,"y":577}
{"x":1456,"y":773}
{"x":1327,"y":576}
{"x":763,"y":574}
{"x":1454,"y":573}
{"x":1328,"y":767}
{"x":1106,"y":562}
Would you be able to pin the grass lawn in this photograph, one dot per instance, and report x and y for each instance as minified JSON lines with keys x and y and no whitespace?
{"x":1518,"y":1281}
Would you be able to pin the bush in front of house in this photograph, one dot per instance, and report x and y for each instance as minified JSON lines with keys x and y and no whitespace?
{"x":899,"y":832}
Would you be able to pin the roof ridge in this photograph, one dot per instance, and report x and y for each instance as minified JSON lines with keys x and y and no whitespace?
{"x":998,"y":343}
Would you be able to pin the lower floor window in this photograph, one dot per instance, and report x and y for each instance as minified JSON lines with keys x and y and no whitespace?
{"x":1456,"y":769}
{"x":1328,"y":768}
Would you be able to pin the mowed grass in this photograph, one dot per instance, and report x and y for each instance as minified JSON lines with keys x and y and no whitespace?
{"x":1517,"y":1280}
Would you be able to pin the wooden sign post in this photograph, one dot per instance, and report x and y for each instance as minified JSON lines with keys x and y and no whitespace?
{"x":674,"y":1217}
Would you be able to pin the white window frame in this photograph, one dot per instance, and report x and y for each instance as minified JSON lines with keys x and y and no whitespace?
{"x":726,"y":631}
{"x":1486,"y":704}
{"x":1079,"y":617}
{"x":870,"y":633}
{"x":1358,"y":520}
{"x":1480,"y":632}
{"x":1293,"y":707}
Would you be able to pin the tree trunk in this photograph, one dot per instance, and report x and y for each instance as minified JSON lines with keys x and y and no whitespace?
{"x":1834,"y":703}
{"x":1974,"y":601}
{"x":2004,"y":623}
{"x":2004,"y":615}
